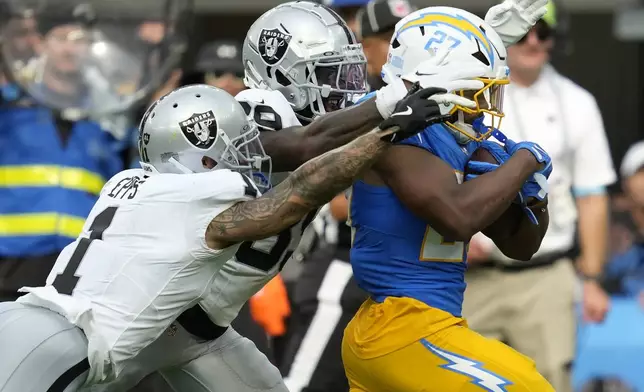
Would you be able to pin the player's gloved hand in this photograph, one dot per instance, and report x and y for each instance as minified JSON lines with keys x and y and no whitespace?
{"x":511,"y":147}
{"x":434,"y":72}
{"x":438,"y":72}
{"x":476,"y":168}
{"x":512,"y":19}
{"x":539,"y":154}
{"x":537,"y":186}
{"x":523,"y":201}
{"x":413,"y":114}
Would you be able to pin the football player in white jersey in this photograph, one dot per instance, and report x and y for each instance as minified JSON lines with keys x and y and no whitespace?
{"x":156,"y":238}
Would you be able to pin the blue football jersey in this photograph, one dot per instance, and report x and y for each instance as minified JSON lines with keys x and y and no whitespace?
{"x":397,"y":254}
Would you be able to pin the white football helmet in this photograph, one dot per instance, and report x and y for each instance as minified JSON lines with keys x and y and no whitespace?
{"x":309,"y":54}
{"x":462,"y":39}
{"x":198,"y":121}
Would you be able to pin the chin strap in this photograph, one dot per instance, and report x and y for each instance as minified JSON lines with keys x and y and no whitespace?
{"x":475,"y":129}
{"x":179,"y":166}
{"x":464,"y":129}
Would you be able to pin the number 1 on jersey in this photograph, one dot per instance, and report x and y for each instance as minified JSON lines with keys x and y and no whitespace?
{"x":67,"y":280}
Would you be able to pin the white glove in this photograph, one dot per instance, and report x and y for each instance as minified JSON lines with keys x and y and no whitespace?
{"x":512,"y":19}
{"x":434,"y":72}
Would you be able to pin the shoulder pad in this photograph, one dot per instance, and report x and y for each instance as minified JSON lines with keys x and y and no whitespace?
{"x":269,"y":109}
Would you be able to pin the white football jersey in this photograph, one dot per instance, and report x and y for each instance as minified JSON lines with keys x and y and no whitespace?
{"x":255,"y":263}
{"x":140,"y":261}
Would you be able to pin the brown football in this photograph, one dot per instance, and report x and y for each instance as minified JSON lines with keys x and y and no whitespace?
{"x":481,"y":155}
{"x":507,"y":223}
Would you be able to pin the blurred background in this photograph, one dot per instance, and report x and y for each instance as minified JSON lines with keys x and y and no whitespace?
{"x":76,"y":77}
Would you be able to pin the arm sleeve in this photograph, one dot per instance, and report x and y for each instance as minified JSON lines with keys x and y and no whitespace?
{"x":593,"y":165}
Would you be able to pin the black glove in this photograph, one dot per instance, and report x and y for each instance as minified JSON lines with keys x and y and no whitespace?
{"x":413,"y":114}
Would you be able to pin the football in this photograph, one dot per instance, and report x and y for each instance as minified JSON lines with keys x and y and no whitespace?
{"x":481,"y":155}
{"x":507,"y":223}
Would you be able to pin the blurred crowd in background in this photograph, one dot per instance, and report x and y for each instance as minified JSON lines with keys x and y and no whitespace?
{"x":75,"y":81}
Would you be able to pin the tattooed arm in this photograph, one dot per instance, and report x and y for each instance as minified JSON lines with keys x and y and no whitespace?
{"x":320,"y":179}
{"x":291,"y":147}
{"x":310,"y":186}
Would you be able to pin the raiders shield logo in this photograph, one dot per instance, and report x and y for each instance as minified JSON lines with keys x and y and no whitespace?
{"x":272,"y":45}
{"x":200,"y":129}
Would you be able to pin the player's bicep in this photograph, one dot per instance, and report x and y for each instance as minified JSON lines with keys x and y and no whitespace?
{"x":281,"y":132}
{"x":287,"y":148}
{"x":424,"y":184}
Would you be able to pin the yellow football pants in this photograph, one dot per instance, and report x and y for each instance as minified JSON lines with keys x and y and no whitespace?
{"x":452,"y":359}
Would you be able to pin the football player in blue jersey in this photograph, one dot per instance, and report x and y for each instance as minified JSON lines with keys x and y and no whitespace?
{"x":414,"y":212}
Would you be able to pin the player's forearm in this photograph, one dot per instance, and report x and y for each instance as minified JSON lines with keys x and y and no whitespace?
{"x":481,"y":201}
{"x":525,"y":238}
{"x":310,"y":186}
{"x":291,"y":147}
{"x":593,"y":233}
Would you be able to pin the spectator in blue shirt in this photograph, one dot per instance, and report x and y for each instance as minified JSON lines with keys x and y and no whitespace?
{"x":626,"y":268}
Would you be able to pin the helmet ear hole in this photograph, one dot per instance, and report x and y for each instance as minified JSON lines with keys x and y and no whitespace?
{"x":281,"y":79}
{"x":208,"y":162}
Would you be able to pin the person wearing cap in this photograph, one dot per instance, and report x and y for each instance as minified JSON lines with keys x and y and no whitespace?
{"x":58,"y":75}
{"x":218,"y":64}
{"x":375,"y":27}
{"x":530,"y":305}
{"x":51,"y":173}
{"x":222,"y":66}
{"x":626,"y":268}
{"x":347,"y":9}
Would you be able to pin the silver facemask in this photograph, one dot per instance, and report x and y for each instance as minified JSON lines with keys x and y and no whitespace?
{"x":309,"y":54}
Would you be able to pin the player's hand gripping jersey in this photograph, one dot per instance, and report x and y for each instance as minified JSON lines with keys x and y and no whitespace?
{"x":255,"y":263}
{"x":140,"y":261}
